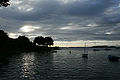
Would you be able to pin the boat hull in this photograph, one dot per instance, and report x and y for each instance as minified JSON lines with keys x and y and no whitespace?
{"x":113,"y":58}
{"x":85,"y":55}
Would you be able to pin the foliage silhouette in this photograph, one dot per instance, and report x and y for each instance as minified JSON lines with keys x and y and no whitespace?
{"x":4,"y":3}
{"x":3,"y":39}
{"x":22,"y":43}
{"x":39,"y":40}
{"x":48,"y":41}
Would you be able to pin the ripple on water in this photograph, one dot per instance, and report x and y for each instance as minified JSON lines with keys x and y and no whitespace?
{"x":60,"y":66}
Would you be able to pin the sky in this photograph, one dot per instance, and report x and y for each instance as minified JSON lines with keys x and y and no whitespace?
{"x":68,"y":22}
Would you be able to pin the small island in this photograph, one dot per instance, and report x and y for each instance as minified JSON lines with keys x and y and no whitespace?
{"x":23,"y":44}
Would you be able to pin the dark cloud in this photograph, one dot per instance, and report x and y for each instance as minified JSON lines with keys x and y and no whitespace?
{"x":65,"y":20}
{"x":88,"y":8}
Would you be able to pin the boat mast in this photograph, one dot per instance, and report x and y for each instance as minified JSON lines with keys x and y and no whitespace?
{"x":85,"y":55}
{"x":85,"y":48}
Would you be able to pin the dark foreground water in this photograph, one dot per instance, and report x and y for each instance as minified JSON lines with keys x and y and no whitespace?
{"x":60,"y":66}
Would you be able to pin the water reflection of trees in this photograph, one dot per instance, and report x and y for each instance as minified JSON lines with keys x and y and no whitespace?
{"x":4,"y":61}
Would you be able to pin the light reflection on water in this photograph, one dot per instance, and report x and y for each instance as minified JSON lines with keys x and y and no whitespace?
{"x":60,"y":66}
{"x":28,"y":66}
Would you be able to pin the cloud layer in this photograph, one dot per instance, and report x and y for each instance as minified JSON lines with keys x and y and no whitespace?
{"x":64,"y":20}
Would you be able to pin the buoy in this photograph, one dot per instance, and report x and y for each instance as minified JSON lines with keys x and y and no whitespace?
{"x":70,"y":52}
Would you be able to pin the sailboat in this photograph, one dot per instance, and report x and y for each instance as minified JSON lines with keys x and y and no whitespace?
{"x":85,"y":54}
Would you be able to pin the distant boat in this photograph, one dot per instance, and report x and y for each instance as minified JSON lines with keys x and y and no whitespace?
{"x":108,"y":49}
{"x":70,"y":51}
{"x":55,"y":51}
{"x":85,"y":54}
{"x":113,"y":58}
{"x":96,"y":50}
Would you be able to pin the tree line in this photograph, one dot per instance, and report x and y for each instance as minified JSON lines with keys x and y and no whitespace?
{"x":23,"y":42}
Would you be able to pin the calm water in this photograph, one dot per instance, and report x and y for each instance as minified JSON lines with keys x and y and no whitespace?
{"x":60,"y":66}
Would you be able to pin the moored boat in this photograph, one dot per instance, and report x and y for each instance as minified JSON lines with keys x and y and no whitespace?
{"x":113,"y":58}
{"x":85,"y":54}
{"x":108,"y":49}
{"x":96,"y":50}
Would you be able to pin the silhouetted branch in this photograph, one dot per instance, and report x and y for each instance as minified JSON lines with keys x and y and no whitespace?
{"x":4,"y":3}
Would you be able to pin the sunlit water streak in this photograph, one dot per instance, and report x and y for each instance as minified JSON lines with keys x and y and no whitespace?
{"x":28,"y":66}
{"x":60,"y":66}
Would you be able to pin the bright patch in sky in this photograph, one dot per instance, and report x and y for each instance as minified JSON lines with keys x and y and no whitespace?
{"x":28,"y":28}
{"x":81,"y":43}
{"x":13,"y":35}
{"x":65,"y":1}
{"x":92,"y":25}
{"x":25,"y":8}
{"x":66,"y":28}
{"x":16,"y":2}
{"x":108,"y":33}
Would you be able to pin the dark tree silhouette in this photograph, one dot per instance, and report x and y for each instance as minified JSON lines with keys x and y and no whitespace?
{"x":4,"y":3}
{"x":23,"y":42}
{"x":39,"y":40}
{"x":3,"y":39}
{"x":3,"y":35}
{"x":48,"y":41}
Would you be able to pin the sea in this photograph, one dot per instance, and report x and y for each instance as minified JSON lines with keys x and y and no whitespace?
{"x":63,"y":64}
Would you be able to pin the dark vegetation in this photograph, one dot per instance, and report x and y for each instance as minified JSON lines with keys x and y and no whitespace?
{"x":22,"y":43}
{"x":4,"y":3}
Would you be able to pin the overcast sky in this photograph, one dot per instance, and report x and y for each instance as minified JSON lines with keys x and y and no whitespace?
{"x":64,"y":20}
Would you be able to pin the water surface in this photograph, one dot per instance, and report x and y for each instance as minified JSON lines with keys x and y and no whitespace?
{"x":60,"y":66}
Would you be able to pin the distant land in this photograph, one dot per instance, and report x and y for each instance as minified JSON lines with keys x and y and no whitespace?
{"x":103,"y":46}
